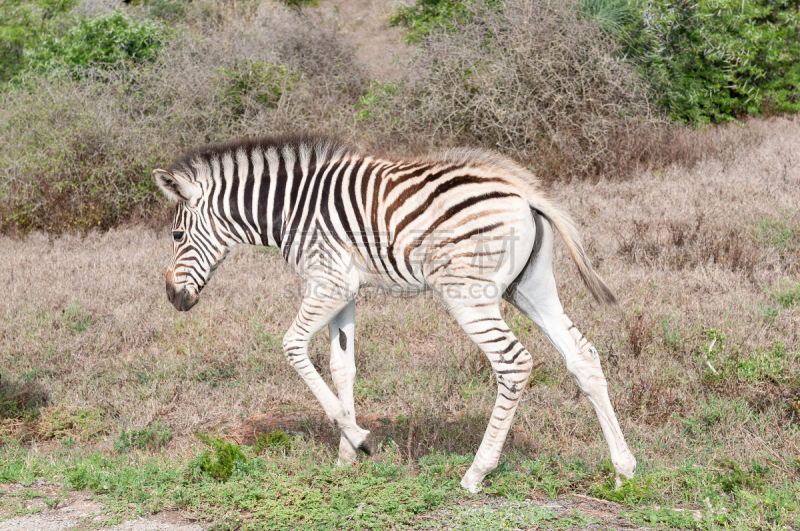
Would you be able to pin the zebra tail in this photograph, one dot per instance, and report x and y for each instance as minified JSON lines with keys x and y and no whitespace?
{"x":566,"y":227}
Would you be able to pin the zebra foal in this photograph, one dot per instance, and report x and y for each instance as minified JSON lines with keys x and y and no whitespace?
{"x":470,"y":225}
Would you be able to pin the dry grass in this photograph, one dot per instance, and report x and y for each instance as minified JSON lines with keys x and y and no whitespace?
{"x":86,"y":318}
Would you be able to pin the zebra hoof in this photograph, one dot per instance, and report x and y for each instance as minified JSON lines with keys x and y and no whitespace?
{"x":368,"y":445}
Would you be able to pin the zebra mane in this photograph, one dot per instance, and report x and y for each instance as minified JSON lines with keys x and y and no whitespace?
{"x":324,"y":147}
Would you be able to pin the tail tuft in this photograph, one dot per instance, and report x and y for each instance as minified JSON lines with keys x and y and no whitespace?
{"x":566,"y":227}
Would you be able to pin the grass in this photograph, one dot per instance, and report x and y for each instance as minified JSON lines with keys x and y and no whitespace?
{"x":276,"y":491}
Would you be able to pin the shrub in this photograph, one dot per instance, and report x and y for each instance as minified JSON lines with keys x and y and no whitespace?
{"x":716,"y":60}
{"x":23,"y":23}
{"x":264,"y":82}
{"x":530,"y":77}
{"x":77,"y":153}
{"x":220,"y":463}
{"x":102,"y":41}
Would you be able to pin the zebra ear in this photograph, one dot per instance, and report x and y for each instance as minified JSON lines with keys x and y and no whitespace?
{"x":177,"y":188}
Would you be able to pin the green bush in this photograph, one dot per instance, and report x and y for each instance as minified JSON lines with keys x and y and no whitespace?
{"x":220,"y":462}
{"x":102,"y":41}
{"x":23,"y":23}
{"x":716,"y":60}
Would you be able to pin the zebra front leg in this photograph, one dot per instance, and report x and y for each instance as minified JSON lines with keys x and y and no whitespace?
{"x":314,"y":314}
{"x":512,"y":366}
{"x":343,"y":370}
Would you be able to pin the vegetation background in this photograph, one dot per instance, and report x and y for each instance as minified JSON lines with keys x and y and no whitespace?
{"x":665,"y":127}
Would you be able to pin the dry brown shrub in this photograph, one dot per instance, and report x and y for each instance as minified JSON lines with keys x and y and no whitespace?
{"x":534,"y":79}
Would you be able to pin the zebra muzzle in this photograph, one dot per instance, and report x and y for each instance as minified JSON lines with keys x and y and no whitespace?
{"x":181,"y":298}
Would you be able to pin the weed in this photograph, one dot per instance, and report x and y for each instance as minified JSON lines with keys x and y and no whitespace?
{"x":220,"y":463}
{"x":672,"y":334}
{"x":769,"y":313}
{"x":21,"y":400}
{"x":60,"y":422}
{"x":765,"y":364}
{"x":428,"y":16}
{"x":632,"y":492}
{"x":612,"y":15}
{"x":788,"y":294}
{"x":640,"y":331}
{"x":154,"y":437}
{"x":778,"y":232}
{"x":301,"y":3}
{"x":274,"y":440}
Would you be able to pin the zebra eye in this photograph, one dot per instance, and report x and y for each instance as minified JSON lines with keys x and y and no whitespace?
{"x":177,"y":235}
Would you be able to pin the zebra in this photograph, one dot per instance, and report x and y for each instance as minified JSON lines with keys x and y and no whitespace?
{"x":470,"y":225}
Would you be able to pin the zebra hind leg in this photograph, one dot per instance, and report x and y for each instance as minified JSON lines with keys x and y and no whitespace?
{"x":343,"y":370}
{"x":534,"y":294}
{"x":512,"y":366}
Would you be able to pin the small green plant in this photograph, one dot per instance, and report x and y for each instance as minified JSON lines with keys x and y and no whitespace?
{"x":765,"y":364}
{"x":263,"y":82}
{"x":788,"y":294}
{"x":769,"y":313}
{"x":77,"y":318}
{"x":631,"y":492}
{"x":372,"y":104}
{"x":274,"y":440}
{"x":731,"y":476}
{"x":220,"y":462}
{"x":428,"y":16}
{"x":154,"y":437}
{"x":778,"y":232}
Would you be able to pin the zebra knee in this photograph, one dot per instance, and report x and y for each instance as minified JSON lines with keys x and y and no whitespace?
{"x":585,"y":367}
{"x":295,"y":351}
{"x":513,"y":374}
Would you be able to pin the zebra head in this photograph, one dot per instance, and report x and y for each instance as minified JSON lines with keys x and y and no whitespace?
{"x":197,"y":249}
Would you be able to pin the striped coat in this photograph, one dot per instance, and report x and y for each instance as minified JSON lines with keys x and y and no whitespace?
{"x":470,"y":225}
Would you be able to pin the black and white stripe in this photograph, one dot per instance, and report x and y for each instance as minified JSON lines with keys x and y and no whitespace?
{"x":466,"y":224}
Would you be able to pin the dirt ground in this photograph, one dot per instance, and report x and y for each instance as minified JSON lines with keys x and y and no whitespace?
{"x":53,"y":510}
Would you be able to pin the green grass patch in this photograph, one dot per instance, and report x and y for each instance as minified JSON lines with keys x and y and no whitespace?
{"x":154,"y":437}
{"x":305,"y":490}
